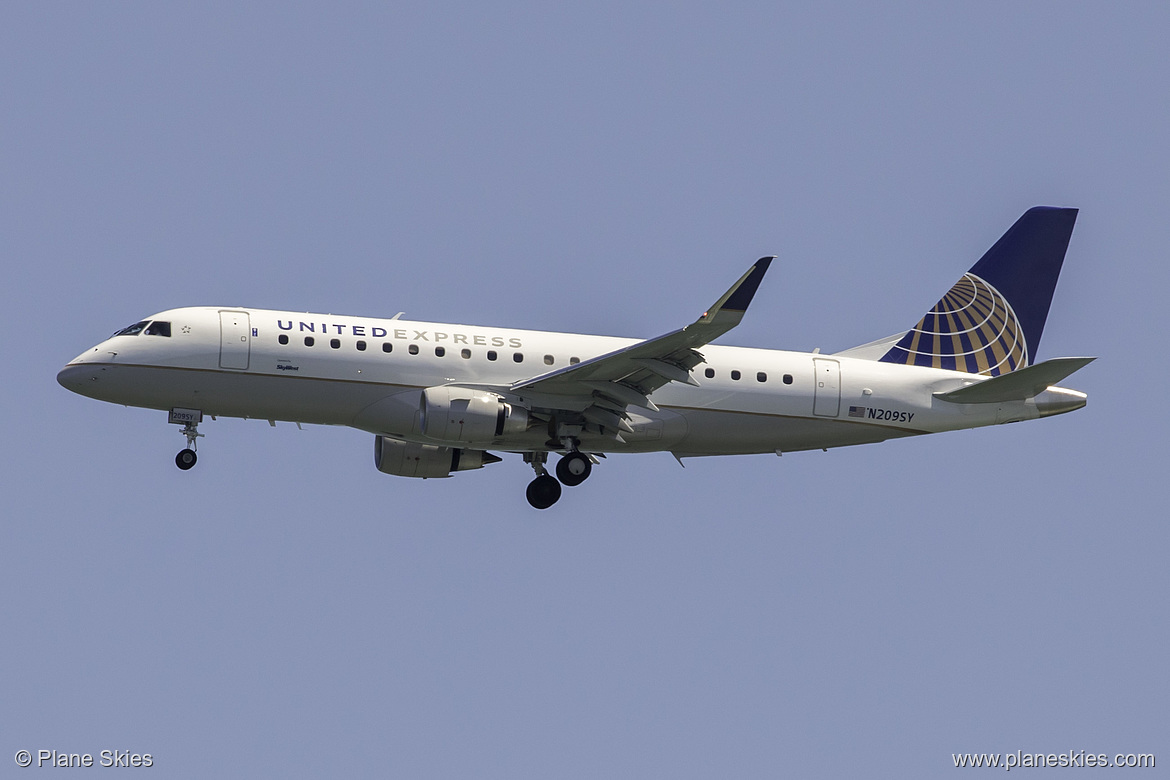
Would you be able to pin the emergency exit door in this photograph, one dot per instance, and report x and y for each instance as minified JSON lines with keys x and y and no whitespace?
{"x":234,"y":339}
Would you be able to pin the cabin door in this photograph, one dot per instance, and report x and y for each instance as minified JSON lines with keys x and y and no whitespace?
{"x":827,"y":393}
{"x":234,"y":343}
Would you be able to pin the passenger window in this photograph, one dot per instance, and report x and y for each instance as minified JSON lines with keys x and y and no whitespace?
{"x":387,"y":346}
{"x":361,"y":346}
{"x":548,"y":360}
{"x":309,"y":341}
{"x":282,"y":338}
{"x":412,"y":349}
{"x":440,"y":351}
{"x":574,"y":361}
{"x":491,"y":354}
{"x":709,"y":373}
{"x":761,"y":377}
{"x":465,"y":354}
{"x":335,"y":343}
{"x":134,"y":329}
{"x":735,"y":375}
{"x":518,"y":357}
{"x":788,"y":379}
{"x":159,"y":329}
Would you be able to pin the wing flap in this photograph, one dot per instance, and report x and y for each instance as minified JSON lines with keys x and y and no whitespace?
{"x":669,"y":371}
{"x":622,"y":394}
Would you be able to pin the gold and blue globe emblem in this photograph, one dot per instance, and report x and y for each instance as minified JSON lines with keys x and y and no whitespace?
{"x":971,"y":329}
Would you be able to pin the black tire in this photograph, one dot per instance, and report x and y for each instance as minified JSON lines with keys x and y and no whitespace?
{"x":543,"y":492}
{"x":573,"y":469}
{"x":186,"y":459}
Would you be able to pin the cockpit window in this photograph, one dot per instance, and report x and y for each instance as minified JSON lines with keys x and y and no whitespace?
{"x":158,"y":328}
{"x":134,"y":329}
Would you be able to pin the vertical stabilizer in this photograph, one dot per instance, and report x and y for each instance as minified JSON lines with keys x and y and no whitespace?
{"x":991,"y":320}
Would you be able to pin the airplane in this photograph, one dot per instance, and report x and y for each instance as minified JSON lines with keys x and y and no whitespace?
{"x":439,"y":397}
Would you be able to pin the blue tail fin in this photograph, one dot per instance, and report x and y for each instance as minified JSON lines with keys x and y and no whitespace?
{"x":992,"y":319}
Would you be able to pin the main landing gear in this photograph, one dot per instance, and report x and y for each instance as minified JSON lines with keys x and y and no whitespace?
{"x":544,"y":491}
{"x":574,"y":468}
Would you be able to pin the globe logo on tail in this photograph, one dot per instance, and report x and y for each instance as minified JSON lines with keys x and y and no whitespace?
{"x":972,"y":329}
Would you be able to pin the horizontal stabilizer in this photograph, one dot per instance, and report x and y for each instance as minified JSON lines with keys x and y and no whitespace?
{"x":1019,"y":385}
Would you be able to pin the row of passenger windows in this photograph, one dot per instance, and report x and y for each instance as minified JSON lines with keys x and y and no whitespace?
{"x":413,"y":349}
{"x":736,"y":376}
{"x":517,"y":357}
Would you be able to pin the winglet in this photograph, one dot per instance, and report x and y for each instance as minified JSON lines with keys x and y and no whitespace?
{"x":735,"y":301}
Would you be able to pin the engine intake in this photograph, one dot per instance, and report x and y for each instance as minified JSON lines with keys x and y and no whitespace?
{"x":461,"y":415}
{"x":408,"y":459}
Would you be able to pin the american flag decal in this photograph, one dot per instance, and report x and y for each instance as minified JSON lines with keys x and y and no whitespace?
{"x":857,"y":411}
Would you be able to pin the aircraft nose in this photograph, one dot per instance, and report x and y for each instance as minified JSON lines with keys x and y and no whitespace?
{"x":75,"y":377}
{"x":81,"y":374}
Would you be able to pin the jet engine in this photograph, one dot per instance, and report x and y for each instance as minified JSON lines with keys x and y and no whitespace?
{"x":407,"y":459}
{"x":461,"y":415}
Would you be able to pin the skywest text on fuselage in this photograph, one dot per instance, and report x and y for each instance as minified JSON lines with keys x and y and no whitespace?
{"x":401,"y":334}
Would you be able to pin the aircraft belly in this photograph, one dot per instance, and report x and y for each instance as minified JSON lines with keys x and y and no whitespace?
{"x":231,"y":394}
{"x":737,"y":433}
{"x":652,"y":432}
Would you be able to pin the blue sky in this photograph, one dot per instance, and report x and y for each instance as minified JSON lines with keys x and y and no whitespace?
{"x":285,"y":609}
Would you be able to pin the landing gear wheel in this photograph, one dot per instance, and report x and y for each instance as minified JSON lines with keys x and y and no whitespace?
{"x":543,"y":492}
{"x":574,"y":468}
{"x":190,"y":419}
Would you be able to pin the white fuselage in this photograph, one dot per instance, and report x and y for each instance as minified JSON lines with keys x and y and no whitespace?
{"x":368,"y":373}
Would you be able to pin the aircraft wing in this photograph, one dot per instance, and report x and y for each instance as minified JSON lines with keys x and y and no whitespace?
{"x":602,"y":387}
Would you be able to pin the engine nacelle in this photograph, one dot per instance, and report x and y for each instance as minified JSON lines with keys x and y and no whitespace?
{"x":462,"y":415}
{"x":407,"y":459}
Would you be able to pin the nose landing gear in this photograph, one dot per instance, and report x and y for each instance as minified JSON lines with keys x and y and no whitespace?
{"x":186,"y":459}
{"x":190,"y":419}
